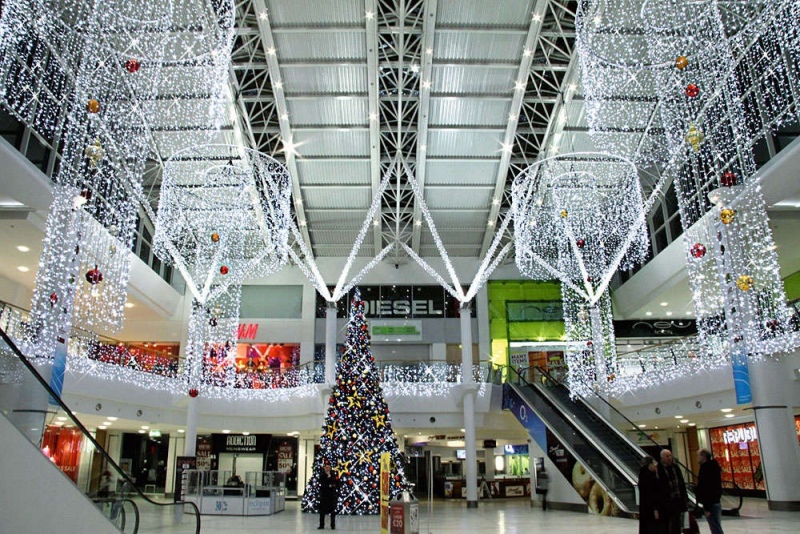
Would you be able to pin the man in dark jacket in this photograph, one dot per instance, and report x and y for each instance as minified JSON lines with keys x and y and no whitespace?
{"x":709,"y":490}
{"x":676,"y":505}
{"x":328,"y":495}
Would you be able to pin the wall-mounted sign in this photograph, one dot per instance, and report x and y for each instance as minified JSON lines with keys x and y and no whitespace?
{"x":240,"y":443}
{"x":399,"y":302}
{"x":396,"y":330}
{"x":247,"y":331}
{"x":740,"y":434}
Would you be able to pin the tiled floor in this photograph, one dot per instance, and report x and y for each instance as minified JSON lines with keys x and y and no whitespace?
{"x":499,"y":516}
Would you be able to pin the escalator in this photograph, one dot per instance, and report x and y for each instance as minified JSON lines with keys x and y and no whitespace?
{"x":607,"y":454}
{"x":24,"y":398}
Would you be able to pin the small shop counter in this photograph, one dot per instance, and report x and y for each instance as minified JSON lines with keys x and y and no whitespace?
{"x":263,"y":493}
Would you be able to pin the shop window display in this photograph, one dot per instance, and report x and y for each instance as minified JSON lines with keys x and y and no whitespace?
{"x":63,"y":447}
{"x":160,"y":359}
{"x":736,"y":449}
{"x":252,"y":365}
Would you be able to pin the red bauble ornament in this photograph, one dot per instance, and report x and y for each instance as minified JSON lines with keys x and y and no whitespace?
{"x":698,"y":250}
{"x":692,"y":90}
{"x":364,"y":327}
{"x":94,"y":276}
{"x":728,"y":179}
{"x":589,"y":344}
{"x":580,"y":242}
{"x":773,"y":324}
{"x":223,"y":269}
{"x":53,"y":299}
{"x":193,"y":392}
{"x":132,"y":65}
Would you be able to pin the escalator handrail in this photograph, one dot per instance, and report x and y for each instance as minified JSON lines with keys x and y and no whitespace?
{"x":110,"y":461}
{"x":631,"y":423}
{"x":565,"y":443}
{"x":111,"y":501}
{"x":620,"y":434}
{"x":632,"y":479}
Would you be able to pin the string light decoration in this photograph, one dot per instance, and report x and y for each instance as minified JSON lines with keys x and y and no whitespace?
{"x":578,"y":218}
{"x":220,"y":222}
{"x":618,"y":81}
{"x":736,"y":284}
{"x":422,"y":379}
{"x":113,"y":62}
{"x":357,"y":429}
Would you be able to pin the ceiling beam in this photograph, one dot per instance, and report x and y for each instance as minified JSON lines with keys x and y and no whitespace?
{"x":268,"y":43}
{"x":528,"y":53}
{"x":371,"y":6}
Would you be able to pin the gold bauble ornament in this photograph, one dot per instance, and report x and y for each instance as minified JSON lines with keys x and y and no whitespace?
{"x":727,"y":215}
{"x":745,"y":282}
{"x":95,"y":152}
{"x":215,"y":237}
{"x":681,"y":62}
{"x":93,"y":105}
{"x":694,"y":137}
{"x":563,"y":214}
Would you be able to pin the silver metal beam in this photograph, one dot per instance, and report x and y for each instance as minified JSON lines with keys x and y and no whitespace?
{"x":371,"y":6}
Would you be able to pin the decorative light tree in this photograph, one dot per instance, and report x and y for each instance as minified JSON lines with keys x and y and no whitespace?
{"x":220,"y":222}
{"x":578,"y":218}
{"x":358,"y":429}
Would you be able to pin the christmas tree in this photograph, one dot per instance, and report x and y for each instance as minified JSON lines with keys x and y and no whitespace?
{"x":357,"y":429}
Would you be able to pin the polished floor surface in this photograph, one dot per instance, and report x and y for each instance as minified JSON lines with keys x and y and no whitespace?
{"x":499,"y":516}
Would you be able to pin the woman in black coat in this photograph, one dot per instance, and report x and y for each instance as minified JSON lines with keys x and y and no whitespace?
{"x":328,"y":495}
{"x":653,"y":498}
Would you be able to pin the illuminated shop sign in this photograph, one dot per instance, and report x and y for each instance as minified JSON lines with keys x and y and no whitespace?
{"x":399,"y":302}
{"x":741,"y":434}
{"x":247,"y":331}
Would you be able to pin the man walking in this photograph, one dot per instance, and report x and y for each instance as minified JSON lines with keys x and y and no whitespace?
{"x":709,"y":490}
{"x":676,"y":506}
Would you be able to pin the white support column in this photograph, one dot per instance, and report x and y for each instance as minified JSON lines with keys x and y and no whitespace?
{"x":468,"y":383}
{"x":330,"y":344}
{"x":191,"y":428}
{"x":780,"y":453}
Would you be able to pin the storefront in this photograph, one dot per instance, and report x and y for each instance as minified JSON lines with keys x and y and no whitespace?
{"x":63,"y":447}
{"x":736,"y":449}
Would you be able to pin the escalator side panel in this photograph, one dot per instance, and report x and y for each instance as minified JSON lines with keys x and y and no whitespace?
{"x":620,"y":503}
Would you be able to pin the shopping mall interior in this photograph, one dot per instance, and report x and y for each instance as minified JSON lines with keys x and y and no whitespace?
{"x":443,"y":246}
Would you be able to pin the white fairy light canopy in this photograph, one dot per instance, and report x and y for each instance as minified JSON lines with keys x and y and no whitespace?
{"x":224,"y":220}
{"x":578,"y":218}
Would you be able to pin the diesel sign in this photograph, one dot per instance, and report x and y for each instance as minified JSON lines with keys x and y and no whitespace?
{"x":402,"y":308}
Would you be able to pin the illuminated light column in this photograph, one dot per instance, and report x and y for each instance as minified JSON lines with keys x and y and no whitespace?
{"x":468,"y":383}
{"x":330,"y":343}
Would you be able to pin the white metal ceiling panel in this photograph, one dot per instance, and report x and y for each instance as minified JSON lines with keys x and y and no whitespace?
{"x":459,"y":219}
{"x":461,"y":172}
{"x":472,"y":237}
{"x":337,"y":197}
{"x":324,"y":79}
{"x":452,"y":251}
{"x":315,"y":13}
{"x":473,"y":79}
{"x":334,"y":171}
{"x":321,"y":46}
{"x":513,"y":13}
{"x":467,"y":143}
{"x":328,"y":111}
{"x":332,"y":143}
{"x":456,"y":111}
{"x":458,"y":197}
{"x":461,"y":45}
{"x":336,"y":218}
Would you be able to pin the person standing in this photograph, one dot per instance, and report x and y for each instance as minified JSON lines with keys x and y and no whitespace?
{"x":328,"y":495}
{"x":677,"y":497}
{"x":542,"y":485}
{"x":709,"y":490}
{"x":653,"y":496}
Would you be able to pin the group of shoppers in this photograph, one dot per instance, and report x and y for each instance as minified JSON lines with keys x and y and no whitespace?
{"x":663,"y":498}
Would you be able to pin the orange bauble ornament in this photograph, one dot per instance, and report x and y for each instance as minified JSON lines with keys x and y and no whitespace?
{"x":215,"y":237}
{"x":93,"y":106}
{"x":681,"y":62}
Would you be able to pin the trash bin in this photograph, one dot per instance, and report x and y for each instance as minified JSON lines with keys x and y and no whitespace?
{"x":404,"y":514}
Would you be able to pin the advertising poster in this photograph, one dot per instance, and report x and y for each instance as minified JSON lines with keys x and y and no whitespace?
{"x":574,"y":471}
{"x":386,"y":468}
{"x":203,"y":454}
{"x":285,"y":457}
{"x":183,"y":464}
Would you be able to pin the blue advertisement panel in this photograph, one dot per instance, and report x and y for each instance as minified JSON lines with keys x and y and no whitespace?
{"x":59,"y":368}
{"x":741,"y":377}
